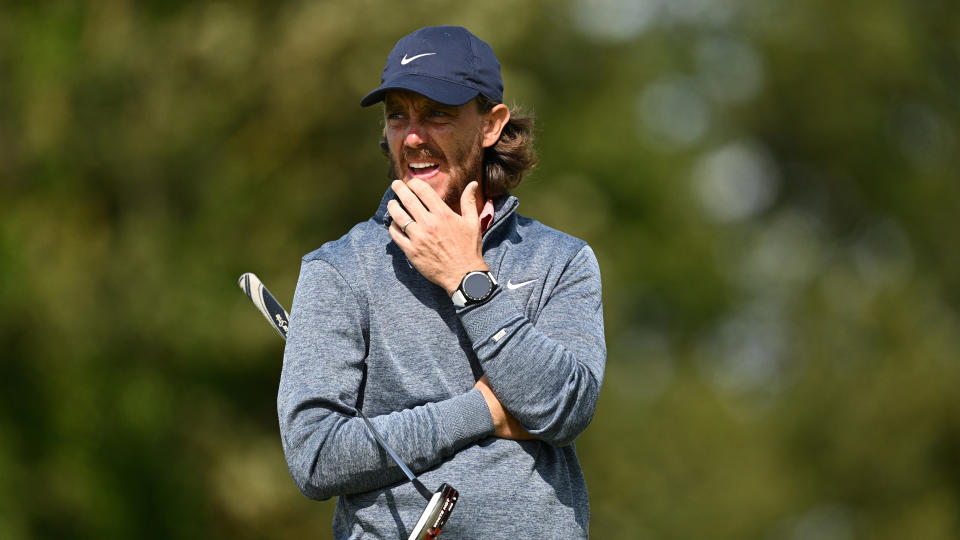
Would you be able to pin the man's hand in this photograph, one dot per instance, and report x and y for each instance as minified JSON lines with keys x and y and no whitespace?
{"x":505,"y":425}
{"x":441,"y":244}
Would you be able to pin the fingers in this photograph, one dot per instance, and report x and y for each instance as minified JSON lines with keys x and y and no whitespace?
{"x":426,"y":194}
{"x":414,"y":208}
{"x":418,"y":197}
{"x":468,"y":202}
{"x":401,"y":224}
{"x":400,"y":216}
{"x":398,"y":235}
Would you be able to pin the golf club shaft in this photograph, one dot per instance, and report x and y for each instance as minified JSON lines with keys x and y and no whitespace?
{"x":279,"y":320}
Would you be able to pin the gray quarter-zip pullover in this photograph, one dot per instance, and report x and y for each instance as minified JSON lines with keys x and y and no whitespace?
{"x":368,"y":331}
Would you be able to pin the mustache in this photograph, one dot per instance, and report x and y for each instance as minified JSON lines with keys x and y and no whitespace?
{"x":424,"y":153}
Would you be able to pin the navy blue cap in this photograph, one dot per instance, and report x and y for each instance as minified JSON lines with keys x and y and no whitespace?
{"x":447,"y":64}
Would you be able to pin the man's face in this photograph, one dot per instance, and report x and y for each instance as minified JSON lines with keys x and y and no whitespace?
{"x":440,"y":144}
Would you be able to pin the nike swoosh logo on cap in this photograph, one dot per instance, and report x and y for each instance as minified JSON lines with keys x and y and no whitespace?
{"x":511,"y":285}
{"x":404,"y":61}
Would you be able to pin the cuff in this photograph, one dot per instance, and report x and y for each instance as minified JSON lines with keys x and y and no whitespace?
{"x":465,"y":418}
{"x":490,"y":323}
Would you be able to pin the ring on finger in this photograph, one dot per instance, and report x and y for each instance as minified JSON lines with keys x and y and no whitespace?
{"x":403,"y":227}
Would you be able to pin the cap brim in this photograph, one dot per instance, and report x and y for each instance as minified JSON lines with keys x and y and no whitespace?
{"x":438,"y":90}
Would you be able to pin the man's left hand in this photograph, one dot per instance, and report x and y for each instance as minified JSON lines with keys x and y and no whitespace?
{"x":441,"y":244}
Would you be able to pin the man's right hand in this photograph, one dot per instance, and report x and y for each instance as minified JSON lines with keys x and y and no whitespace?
{"x":505,"y":425}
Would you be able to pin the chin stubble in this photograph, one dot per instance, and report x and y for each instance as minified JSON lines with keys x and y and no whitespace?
{"x":472,"y":157}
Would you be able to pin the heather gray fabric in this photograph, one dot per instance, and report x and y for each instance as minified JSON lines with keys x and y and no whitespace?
{"x":368,"y":331}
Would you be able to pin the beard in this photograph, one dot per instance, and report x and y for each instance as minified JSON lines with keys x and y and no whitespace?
{"x":464,"y":166}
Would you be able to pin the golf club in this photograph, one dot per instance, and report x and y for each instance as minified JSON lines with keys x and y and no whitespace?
{"x":440,"y":503}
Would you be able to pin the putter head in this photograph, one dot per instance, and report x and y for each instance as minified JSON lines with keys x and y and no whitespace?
{"x":435,"y":515}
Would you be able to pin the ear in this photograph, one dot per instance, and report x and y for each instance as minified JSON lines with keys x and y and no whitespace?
{"x":493,"y":124}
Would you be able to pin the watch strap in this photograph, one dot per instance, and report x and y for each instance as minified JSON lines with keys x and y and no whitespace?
{"x":459,"y":299}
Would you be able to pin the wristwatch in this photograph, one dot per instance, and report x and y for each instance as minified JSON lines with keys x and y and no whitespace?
{"x":475,"y":287}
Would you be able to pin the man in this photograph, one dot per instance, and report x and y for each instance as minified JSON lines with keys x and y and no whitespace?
{"x":470,"y":335}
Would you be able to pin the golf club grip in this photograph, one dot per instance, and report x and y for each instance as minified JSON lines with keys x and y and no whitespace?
{"x":277,"y":316}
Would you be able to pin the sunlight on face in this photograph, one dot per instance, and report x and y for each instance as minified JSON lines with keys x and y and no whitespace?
{"x":440,"y":144}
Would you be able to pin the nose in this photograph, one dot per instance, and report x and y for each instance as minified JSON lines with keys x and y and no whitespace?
{"x":414,"y":137}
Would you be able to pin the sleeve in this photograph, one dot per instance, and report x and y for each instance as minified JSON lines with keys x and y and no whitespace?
{"x":328,"y":448}
{"x":548,"y":374}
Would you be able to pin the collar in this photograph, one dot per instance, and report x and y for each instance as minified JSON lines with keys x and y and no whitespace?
{"x":486,"y":216}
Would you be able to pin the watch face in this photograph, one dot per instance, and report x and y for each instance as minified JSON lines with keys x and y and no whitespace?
{"x":476,"y":286}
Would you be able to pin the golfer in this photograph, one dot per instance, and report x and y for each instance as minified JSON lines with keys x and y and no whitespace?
{"x":470,"y":335}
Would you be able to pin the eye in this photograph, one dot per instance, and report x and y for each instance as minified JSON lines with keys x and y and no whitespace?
{"x":439,"y":115}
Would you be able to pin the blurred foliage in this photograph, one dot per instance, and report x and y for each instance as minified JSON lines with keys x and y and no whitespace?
{"x":770,"y":187}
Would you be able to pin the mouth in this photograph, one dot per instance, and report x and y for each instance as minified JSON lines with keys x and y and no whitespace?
{"x":423,"y":169}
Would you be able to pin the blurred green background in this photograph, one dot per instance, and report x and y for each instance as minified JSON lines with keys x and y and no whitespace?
{"x":770,"y":186}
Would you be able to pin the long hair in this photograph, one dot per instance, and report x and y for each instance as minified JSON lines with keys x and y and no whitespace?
{"x":504,"y":163}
